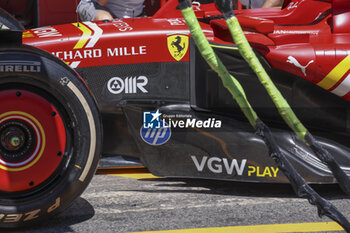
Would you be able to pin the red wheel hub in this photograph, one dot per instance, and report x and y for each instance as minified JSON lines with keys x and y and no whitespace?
{"x":32,"y":140}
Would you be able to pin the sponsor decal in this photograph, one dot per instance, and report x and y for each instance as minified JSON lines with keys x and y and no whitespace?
{"x":27,"y":34}
{"x":127,"y":51}
{"x":128,"y":85}
{"x":78,"y":54}
{"x":262,"y":172}
{"x":46,"y":32}
{"x":85,"y":36}
{"x":227,"y":166}
{"x":96,"y":36}
{"x":64,"y":81}
{"x":153,"y":120}
{"x":88,"y":40}
{"x":295,"y":62}
{"x":293,"y":5}
{"x":24,"y":217}
{"x":219,"y":165}
{"x":121,"y":25}
{"x":294,"y":32}
{"x":91,"y":34}
{"x":176,"y":22}
{"x":196,"y":5}
{"x":339,"y":74}
{"x":156,"y":136}
{"x":343,"y":88}
{"x":74,"y":64}
{"x":20,"y":66}
{"x":96,"y":53}
{"x":178,"y":46}
{"x":154,"y":131}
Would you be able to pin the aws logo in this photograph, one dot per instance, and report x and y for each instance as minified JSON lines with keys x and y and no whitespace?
{"x":178,"y":46}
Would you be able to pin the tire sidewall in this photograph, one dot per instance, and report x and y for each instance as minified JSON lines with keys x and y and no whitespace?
{"x":55,"y":77}
{"x":9,"y":21}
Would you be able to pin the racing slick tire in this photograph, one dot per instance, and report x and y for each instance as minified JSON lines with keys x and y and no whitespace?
{"x":50,"y":136}
{"x":7,"y":21}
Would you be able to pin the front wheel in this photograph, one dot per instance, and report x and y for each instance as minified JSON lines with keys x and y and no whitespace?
{"x":7,"y":21}
{"x":50,"y":136}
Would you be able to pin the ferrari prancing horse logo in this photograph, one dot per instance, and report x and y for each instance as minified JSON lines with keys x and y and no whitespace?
{"x":177,"y":46}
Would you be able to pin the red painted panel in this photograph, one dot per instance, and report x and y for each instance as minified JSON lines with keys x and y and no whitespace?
{"x":341,"y":16}
{"x":121,"y":41}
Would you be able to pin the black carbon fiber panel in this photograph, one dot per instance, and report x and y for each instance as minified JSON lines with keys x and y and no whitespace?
{"x":113,"y":85}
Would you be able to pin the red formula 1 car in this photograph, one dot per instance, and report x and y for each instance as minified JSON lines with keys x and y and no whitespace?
{"x":39,"y":13}
{"x":133,"y":77}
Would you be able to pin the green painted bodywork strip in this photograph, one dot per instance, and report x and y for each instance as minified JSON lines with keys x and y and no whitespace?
{"x":247,"y":53}
{"x":214,"y":62}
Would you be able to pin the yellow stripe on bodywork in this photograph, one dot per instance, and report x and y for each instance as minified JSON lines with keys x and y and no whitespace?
{"x":336,"y":74}
{"x":137,"y":172}
{"x":274,"y":228}
{"x":224,"y":47}
{"x":85,"y":37}
{"x":138,"y":176}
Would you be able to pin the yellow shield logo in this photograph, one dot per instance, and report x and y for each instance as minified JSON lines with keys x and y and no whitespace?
{"x":177,"y":46}
{"x":27,"y":34}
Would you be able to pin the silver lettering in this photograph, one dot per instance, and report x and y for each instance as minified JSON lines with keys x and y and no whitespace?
{"x":97,"y":52}
{"x":68,"y":54}
{"x":160,"y":134}
{"x":18,"y":68}
{"x":8,"y":68}
{"x":112,"y":53}
{"x":141,"y":85}
{"x":78,"y":55}
{"x":200,"y":166}
{"x":143,"y":50}
{"x":127,"y":51}
{"x":234,"y":164}
{"x":217,"y":167}
{"x":87,"y":53}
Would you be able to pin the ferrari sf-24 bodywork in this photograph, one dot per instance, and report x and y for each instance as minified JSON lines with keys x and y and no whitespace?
{"x":141,"y":93}
{"x":148,"y":71}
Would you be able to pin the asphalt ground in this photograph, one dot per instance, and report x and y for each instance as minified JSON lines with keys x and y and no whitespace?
{"x":140,"y":203}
